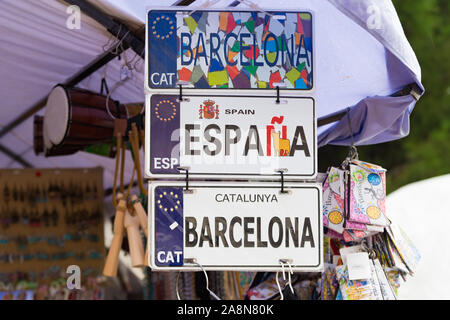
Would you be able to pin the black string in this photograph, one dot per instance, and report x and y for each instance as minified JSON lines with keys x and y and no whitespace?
{"x":350,"y":127}
{"x":353,"y":152}
{"x":117,"y":105}
{"x":104,"y":86}
{"x":187,"y":176}
{"x":180,"y":98}
{"x":282,"y":181}
{"x":278,"y":95}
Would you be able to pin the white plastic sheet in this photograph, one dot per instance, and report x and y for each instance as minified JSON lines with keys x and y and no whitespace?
{"x":37,"y":51}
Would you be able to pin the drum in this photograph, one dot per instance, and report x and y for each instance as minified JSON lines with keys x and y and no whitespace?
{"x":38,"y":141}
{"x":77,"y":118}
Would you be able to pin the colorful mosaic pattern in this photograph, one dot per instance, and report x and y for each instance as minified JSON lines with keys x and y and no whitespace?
{"x":239,"y":49}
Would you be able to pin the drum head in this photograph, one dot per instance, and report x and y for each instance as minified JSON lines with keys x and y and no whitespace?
{"x":56,"y":119}
{"x":47,"y":143}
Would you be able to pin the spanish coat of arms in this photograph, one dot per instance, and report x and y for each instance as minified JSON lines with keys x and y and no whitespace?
{"x":209,"y":110}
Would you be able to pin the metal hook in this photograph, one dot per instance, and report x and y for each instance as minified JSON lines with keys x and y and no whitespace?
{"x":207,"y":4}
{"x":353,"y":153}
{"x":282,"y":270}
{"x":291,"y":272}
{"x":112,"y":37}
{"x":372,"y":253}
{"x":279,"y":287}
{"x":176,"y":285}
{"x":283,"y":262}
{"x":254,"y":6}
{"x":288,"y":262}
{"x":194,"y":261}
{"x":364,"y":245}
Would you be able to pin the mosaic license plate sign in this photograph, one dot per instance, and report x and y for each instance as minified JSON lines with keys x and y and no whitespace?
{"x":229,"y":49}
{"x":239,"y":137}
{"x":235,"y":226}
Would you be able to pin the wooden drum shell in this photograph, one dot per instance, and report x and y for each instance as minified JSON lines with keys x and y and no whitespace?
{"x":88,"y":121}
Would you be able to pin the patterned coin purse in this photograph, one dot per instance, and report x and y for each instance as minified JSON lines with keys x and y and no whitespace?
{"x":366,"y":194}
{"x":354,"y":201}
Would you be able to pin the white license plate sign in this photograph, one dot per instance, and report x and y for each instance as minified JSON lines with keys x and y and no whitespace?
{"x":234,"y":136}
{"x":235,"y":226}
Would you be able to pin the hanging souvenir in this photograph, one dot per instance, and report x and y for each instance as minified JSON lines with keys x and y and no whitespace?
{"x":366,"y":194}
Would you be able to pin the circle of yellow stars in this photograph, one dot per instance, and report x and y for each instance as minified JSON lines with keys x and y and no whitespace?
{"x":171,"y":26}
{"x":158,"y":111}
{"x":168,"y":209}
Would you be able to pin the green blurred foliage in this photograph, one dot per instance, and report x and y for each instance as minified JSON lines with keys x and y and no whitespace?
{"x":425,"y":153}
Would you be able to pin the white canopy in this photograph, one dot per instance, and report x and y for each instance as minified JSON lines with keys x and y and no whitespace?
{"x":37,"y":51}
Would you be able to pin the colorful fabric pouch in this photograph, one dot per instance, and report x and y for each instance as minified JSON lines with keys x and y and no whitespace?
{"x":366,"y":195}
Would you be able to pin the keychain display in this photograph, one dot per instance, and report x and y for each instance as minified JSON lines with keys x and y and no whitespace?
{"x":354,"y":200}
{"x":49,"y":220}
{"x":366,"y":255}
{"x":380,"y":279}
{"x":366,"y":258}
{"x":367,"y":252}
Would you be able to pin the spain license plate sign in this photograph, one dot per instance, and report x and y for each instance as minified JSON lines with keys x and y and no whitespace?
{"x":235,"y":226}
{"x":223,"y":49}
{"x":238,"y":137}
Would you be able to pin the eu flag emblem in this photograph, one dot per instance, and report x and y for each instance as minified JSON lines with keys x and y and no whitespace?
{"x":164,"y":122}
{"x":162,"y":33}
{"x":169,"y":226}
{"x":163,"y":26}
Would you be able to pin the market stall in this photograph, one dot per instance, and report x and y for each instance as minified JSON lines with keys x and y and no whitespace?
{"x":110,"y":84}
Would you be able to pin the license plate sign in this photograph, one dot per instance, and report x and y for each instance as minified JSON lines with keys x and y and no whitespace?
{"x":210,"y":49}
{"x":231,"y":136}
{"x":235,"y":227}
